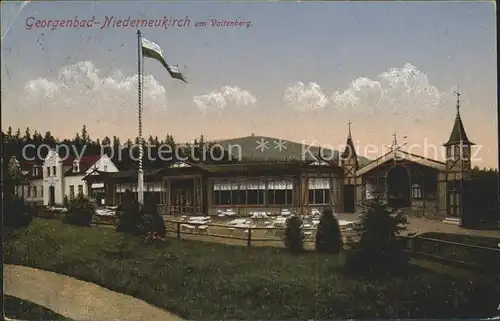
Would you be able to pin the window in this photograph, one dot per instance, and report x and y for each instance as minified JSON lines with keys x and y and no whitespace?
{"x":34,"y":191}
{"x":35,"y":170}
{"x":41,"y":191}
{"x":48,"y":171}
{"x":319,"y":191}
{"x":416,"y":191}
{"x":465,"y":152}
{"x":80,"y":189}
{"x":105,"y":168}
{"x":54,"y":170}
{"x":76,"y":166}
{"x":28,"y":191}
{"x":71,"y":191}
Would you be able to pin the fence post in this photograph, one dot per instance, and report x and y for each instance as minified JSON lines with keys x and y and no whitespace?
{"x":249,"y":237}
{"x":178,"y":230}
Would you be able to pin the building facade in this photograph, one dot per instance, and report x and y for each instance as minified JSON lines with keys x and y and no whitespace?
{"x":48,"y":182}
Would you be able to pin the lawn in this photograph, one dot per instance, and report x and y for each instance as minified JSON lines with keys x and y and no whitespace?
{"x":204,"y":281}
{"x":24,"y":310}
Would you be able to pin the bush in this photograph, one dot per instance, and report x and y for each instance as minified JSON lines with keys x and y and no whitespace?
{"x":128,"y":215}
{"x":16,"y":213}
{"x":80,"y":212}
{"x":379,"y":251}
{"x":328,"y":235}
{"x":65,"y":201}
{"x":294,"y":240}
{"x":151,"y":222}
{"x":134,"y":220}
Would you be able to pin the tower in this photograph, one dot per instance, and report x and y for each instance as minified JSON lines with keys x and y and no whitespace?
{"x":458,"y":165}
{"x":349,"y":161}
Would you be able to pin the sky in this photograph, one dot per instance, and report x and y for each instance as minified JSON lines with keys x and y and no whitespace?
{"x":297,"y":71}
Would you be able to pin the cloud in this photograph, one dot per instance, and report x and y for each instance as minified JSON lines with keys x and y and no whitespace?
{"x":305,"y":97}
{"x":403,"y":91}
{"x":218,"y":100}
{"x":82,"y":84}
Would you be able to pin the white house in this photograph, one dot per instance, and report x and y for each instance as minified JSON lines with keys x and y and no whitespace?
{"x":55,"y":178}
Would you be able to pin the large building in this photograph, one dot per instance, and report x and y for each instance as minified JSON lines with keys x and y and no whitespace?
{"x":272,"y":174}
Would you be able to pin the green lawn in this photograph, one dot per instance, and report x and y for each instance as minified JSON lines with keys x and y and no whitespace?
{"x":24,"y":310}
{"x":204,"y":281}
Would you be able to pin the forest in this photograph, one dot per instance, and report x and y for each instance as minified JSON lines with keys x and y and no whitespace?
{"x":124,"y":155}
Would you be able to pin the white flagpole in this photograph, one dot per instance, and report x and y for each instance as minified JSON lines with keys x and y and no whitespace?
{"x":140,"y":176}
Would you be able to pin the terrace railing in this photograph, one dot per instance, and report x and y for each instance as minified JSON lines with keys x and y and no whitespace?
{"x":271,"y":236}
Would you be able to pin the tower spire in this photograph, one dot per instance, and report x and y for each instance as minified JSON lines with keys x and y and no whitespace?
{"x":350,"y":149}
{"x":458,"y":135}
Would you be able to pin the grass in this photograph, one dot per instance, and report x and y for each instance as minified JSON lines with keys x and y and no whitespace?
{"x":24,"y":310}
{"x":202,"y":281}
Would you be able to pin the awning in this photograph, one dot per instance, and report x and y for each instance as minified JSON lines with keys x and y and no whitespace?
{"x":319,"y":183}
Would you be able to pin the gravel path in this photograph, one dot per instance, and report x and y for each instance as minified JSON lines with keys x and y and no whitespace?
{"x":77,"y":299}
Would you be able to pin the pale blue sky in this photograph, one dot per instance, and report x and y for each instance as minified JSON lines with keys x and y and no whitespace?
{"x":331,"y":44}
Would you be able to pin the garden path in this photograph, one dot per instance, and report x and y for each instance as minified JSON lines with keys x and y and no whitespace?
{"x":76,"y":299}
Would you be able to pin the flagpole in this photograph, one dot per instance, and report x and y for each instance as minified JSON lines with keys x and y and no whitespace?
{"x":140,"y":175}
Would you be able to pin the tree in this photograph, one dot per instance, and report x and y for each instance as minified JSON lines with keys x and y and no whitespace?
{"x":294,"y":239}
{"x":15,"y":213}
{"x":85,"y":135}
{"x":27,"y":136}
{"x":328,"y":235}
{"x":377,"y":250}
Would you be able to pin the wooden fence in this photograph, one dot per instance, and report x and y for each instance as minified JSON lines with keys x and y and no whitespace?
{"x":272,"y":236}
{"x":479,"y":258}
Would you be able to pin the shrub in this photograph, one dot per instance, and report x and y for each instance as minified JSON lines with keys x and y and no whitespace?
{"x":128,"y":215}
{"x":16,"y":213}
{"x":294,"y":240}
{"x":328,"y":235}
{"x":378,"y":251}
{"x":80,"y":211}
{"x":65,"y":201}
{"x":151,"y":222}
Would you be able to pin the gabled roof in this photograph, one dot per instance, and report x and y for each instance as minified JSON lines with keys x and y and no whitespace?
{"x":85,"y":163}
{"x":400,"y":154}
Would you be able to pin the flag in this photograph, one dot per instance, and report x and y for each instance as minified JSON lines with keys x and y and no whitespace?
{"x":152,"y":50}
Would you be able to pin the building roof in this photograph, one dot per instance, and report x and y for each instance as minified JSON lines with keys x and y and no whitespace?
{"x":27,"y":169}
{"x":400,"y":154}
{"x":85,"y":163}
{"x":246,"y":167}
{"x":131,"y":173}
{"x":264,"y":148}
{"x":458,"y":135}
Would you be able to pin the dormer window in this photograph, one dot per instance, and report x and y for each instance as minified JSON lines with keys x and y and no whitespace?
{"x":76,"y":166}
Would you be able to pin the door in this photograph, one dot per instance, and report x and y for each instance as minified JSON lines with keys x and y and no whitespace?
{"x":52,"y":195}
{"x":349,"y":198}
